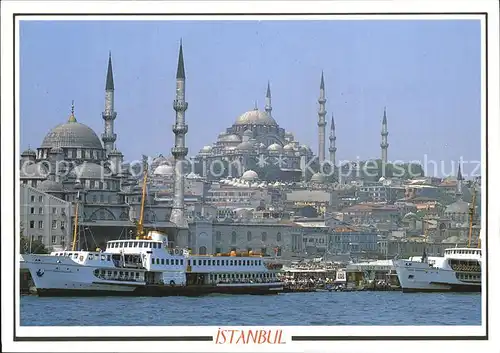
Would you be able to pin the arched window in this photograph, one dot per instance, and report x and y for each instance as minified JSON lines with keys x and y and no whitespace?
{"x":249,"y":236}
{"x":278,"y":236}
{"x":233,"y":237}
{"x":202,"y":250}
{"x":264,"y":236}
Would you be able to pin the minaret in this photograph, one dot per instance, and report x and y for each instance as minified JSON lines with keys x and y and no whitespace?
{"x":460,"y":179}
{"x":384,"y":145}
{"x":321,"y":120}
{"x":109,"y":114}
{"x":269,"y":107}
{"x":333,"y":148}
{"x":179,"y":151}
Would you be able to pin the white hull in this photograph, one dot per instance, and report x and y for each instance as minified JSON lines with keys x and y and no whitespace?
{"x":420,"y":277}
{"x":60,"y":273}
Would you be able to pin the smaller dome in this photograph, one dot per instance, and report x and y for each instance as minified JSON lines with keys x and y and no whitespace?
{"x":248,"y":133}
{"x":29,"y":152}
{"x":381,"y":179}
{"x":50,"y":186}
{"x":262,"y":146}
{"x":222,"y":134}
{"x":289,"y":147}
{"x":275,"y":147}
{"x":288,"y":134}
{"x":245,"y":146}
{"x":164,"y":169}
{"x":231,"y":148}
{"x":206,"y":149}
{"x":410,"y":215}
{"x":230,"y":138}
{"x":250,"y":175}
{"x":458,"y":207}
{"x":318,"y":178}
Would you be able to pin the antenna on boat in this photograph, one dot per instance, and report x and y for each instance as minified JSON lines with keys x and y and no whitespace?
{"x":140,"y":224}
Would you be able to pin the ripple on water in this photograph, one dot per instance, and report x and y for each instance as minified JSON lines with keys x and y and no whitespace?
{"x":321,"y":308}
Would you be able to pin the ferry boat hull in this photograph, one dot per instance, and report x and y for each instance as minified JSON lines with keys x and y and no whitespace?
{"x":60,"y":276}
{"x":159,"y":291}
{"x":420,"y":277}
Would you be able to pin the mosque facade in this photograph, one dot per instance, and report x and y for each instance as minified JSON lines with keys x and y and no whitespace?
{"x":255,"y":142}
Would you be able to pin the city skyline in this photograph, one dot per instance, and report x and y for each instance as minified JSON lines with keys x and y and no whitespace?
{"x":424,"y":103}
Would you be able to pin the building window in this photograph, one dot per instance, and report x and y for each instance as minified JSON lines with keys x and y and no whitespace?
{"x":40,"y":198}
{"x":264,"y":236}
{"x":40,"y":238}
{"x":40,"y":210}
{"x":63,"y":224}
{"x":278,"y":236}
{"x":249,"y":236}
{"x":218,"y":250}
{"x":32,"y":210}
{"x":54,"y":224}
{"x":102,"y":198}
{"x":218,"y":236}
{"x":32,"y":198}
{"x":233,"y":237}
{"x":32,"y":224}
{"x":263,"y":251}
{"x":54,"y":210}
{"x":54,"y":239}
{"x":40,"y":224}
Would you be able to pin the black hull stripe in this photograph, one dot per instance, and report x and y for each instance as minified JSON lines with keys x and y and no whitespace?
{"x":453,"y":288}
{"x":163,"y":291}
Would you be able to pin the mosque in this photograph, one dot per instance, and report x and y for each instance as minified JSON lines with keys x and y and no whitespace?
{"x":75,"y":164}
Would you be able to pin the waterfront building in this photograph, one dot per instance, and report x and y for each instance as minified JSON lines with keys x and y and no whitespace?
{"x":44,"y":218}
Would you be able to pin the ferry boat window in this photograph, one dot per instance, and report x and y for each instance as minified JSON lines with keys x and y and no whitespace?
{"x":120,"y":244}
{"x":121,"y":273}
{"x":75,"y":256}
{"x":109,"y":258}
{"x":176,"y":262}
{"x":189,"y":262}
{"x":114,"y":273}
{"x":137,"y":274}
{"x":135,"y":244}
{"x":230,"y":262}
{"x":109,"y":273}
{"x":182,"y":262}
{"x":163,"y":261}
{"x":239,"y":262}
{"x":194,"y":262}
{"x":91,"y":257}
{"x":154,"y":246}
{"x":126,"y":273}
{"x":141,"y":244}
{"x":103,"y":257}
{"x":204,"y":262}
{"x":218,"y":262}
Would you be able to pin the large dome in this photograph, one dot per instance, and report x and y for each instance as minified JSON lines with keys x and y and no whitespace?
{"x":255,"y":117}
{"x":72,"y":134}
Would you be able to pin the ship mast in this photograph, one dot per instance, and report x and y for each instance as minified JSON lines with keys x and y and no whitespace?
{"x":75,"y":228}
{"x":472,"y":208}
{"x":140,"y":224}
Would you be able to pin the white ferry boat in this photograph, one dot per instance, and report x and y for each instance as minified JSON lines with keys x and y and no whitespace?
{"x":147,"y":267}
{"x":459,"y":270}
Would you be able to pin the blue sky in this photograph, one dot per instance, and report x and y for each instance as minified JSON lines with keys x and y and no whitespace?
{"x":427,"y":73}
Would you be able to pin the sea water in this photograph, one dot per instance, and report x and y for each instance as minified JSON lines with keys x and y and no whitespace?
{"x":317,"y":308}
